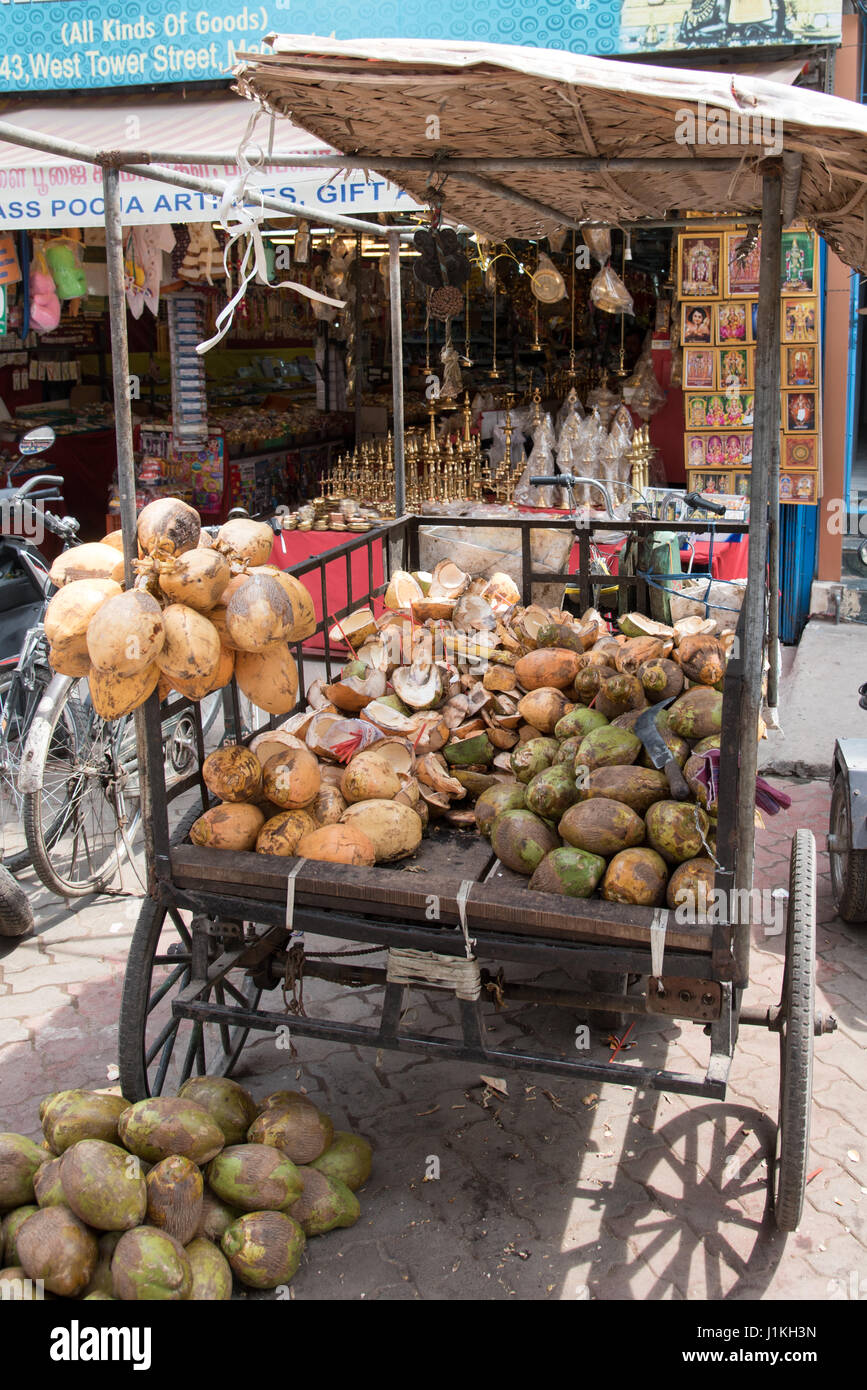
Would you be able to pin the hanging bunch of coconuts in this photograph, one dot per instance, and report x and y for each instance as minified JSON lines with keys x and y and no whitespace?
{"x":172,"y":1198}
{"x":459,"y":706}
{"x":200,"y":612}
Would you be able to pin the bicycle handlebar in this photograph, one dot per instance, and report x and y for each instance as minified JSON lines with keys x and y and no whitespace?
{"x":38,"y":480}
{"x":696,"y":501}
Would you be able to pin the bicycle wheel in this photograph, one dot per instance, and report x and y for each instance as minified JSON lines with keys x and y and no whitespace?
{"x":80,"y":815}
{"x":21,"y":702}
{"x":13,"y":729}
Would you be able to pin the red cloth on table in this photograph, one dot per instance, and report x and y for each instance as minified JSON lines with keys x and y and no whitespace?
{"x":294,"y":547}
{"x":730,"y":558}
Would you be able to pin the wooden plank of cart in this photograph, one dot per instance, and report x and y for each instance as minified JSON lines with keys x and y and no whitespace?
{"x":219,"y":930}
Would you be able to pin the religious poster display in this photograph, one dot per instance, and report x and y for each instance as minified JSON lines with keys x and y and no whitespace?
{"x":718,"y":328}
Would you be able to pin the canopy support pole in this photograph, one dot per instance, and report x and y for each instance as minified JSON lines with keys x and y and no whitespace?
{"x":396,"y":371}
{"x":125,"y":465}
{"x":766,"y":432}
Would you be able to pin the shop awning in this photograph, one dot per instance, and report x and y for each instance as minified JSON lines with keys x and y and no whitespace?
{"x":543,"y":135}
{"x":39,"y":190}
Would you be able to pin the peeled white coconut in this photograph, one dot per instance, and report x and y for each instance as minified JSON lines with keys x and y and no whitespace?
{"x":356,"y":626}
{"x":448,"y":581}
{"x":419,"y":686}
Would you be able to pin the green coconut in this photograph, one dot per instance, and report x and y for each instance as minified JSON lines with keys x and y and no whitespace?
{"x":348,"y":1157}
{"x":47,"y":1184}
{"x":161,"y":1126}
{"x":279,"y":1100}
{"x":254,"y":1177}
{"x":98,"y":1296}
{"x":68,"y":1116}
{"x":101,"y":1285}
{"x":175,"y":1190}
{"x":17,"y":1286}
{"x":229,"y":1105}
{"x":20,"y":1161}
{"x":579,"y":722}
{"x":215,"y":1217}
{"x":57,"y":1248}
{"x":569,"y":872}
{"x":324,"y":1204}
{"x":697,"y":714}
{"x":211,"y":1271}
{"x":10,"y":1227}
{"x":298,"y":1130}
{"x":568,"y":751}
{"x":608,"y":747}
{"x":637,"y":876}
{"x":690,"y":889}
{"x":601,"y":826}
{"x":551,"y":793}
{"x":104,"y":1185}
{"x":504,"y":796}
{"x":150,"y":1266}
{"x":528,"y":759}
{"x":677,"y":830}
{"x":521,"y":840}
{"x":264,"y":1248}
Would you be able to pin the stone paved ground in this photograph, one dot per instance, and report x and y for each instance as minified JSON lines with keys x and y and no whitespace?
{"x":561,"y":1190}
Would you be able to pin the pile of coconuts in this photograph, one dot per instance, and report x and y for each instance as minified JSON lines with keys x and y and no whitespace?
{"x":200,"y":612}
{"x":529,"y":741}
{"x":172,"y":1198}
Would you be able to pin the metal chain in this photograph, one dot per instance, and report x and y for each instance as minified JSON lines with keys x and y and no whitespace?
{"x":710,"y":852}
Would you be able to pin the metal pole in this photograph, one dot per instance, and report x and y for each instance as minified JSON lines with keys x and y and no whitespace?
{"x":397,"y":371}
{"x":773,"y":698}
{"x":125,"y":466}
{"x":356,"y":395}
{"x":766,"y":431}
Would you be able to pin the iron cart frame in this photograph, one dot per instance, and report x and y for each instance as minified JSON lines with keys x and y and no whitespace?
{"x":225,"y":891}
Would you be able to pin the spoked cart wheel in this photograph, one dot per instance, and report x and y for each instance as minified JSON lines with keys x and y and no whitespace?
{"x":796,"y":1030}
{"x":158,"y":1052}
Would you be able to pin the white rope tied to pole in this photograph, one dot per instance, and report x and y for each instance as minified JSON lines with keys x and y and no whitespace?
{"x":242,"y":221}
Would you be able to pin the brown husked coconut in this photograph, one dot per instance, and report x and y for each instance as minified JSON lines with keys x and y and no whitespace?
{"x":67,"y":619}
{"x":233,"y":773}
{"x":193,"y":688}
{"x":217,"y":616}
{"x":56,"y":1247}
{"x":114,"y":539}
{"x":369,"y":777}
{"x":167,"y":527}
{"x":197,"y":578}
{"x":291,"y":778}
{"x":225,"y":669}
{"x":328,"y":805}
{"x":543,"y":708}
{"x":244,"y":542}
{"x":394,"y":830}
{"x":281,"y":834}
{"x":304,"y":614}
{"x":126,"y":633}
{"x":114,"y":695}
{"x":191,"y":651}
{"x":298,"y":1130}
{"x":269,"y":678}
{"x":338,"y":844}
{"x":258,"y":613}
{"x":228,"y":826}
{"x":91,"y":561}
{"x":175,"y":1189}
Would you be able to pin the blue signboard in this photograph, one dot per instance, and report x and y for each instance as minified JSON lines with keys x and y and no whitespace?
{"x":46,"y":45}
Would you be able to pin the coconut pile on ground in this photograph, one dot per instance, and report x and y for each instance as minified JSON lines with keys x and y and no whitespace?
{"x":462,"y":707}
{"x":200,"y":612}
{"x":172,"y":1198}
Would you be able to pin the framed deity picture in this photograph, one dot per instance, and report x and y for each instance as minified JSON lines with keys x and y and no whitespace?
{"x":742,"y":484}
{"x":738,"y":409}
{"x":696,"y":322}
{"x":797,"y":268}
{"x":799,"y":487}
{"x":799,"y":365}
{"x":714,"y":451}
{"x":799,"y":321}
{"x":731,"y":321}
{"x":710,"y":482}
{"x":799,"y":451}
{"x":693,"y":450}
{"x":699,"y":364}
{"x":734,"y":369}
{"x":699,"y":265}
{"x":733,"y":450}
{"x":800,"y":411}
{"x":695,"y":411}
{"x":742,"y":265}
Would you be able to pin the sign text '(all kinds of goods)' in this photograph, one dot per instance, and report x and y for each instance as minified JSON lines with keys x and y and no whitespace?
{"x":71,"y":48}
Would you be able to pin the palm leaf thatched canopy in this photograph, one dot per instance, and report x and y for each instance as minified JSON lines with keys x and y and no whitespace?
{"x":415,"y":111}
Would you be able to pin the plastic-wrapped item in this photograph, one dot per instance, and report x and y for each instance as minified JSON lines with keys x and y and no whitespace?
{"x":547,"y":282}
{"x":599,"y":241}
{"x":604,"y":402}
{"x":571,"y":409}
{"x":609,"y":293}
{"x":642,"y":391}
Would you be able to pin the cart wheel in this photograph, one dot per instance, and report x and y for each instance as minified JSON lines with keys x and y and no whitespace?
{"x":848,"y":868}
{"x":796,"y":1036}
{"x":158,"y":1053}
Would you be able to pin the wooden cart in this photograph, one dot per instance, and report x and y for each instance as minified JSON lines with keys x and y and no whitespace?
{"x":220,"y":931}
